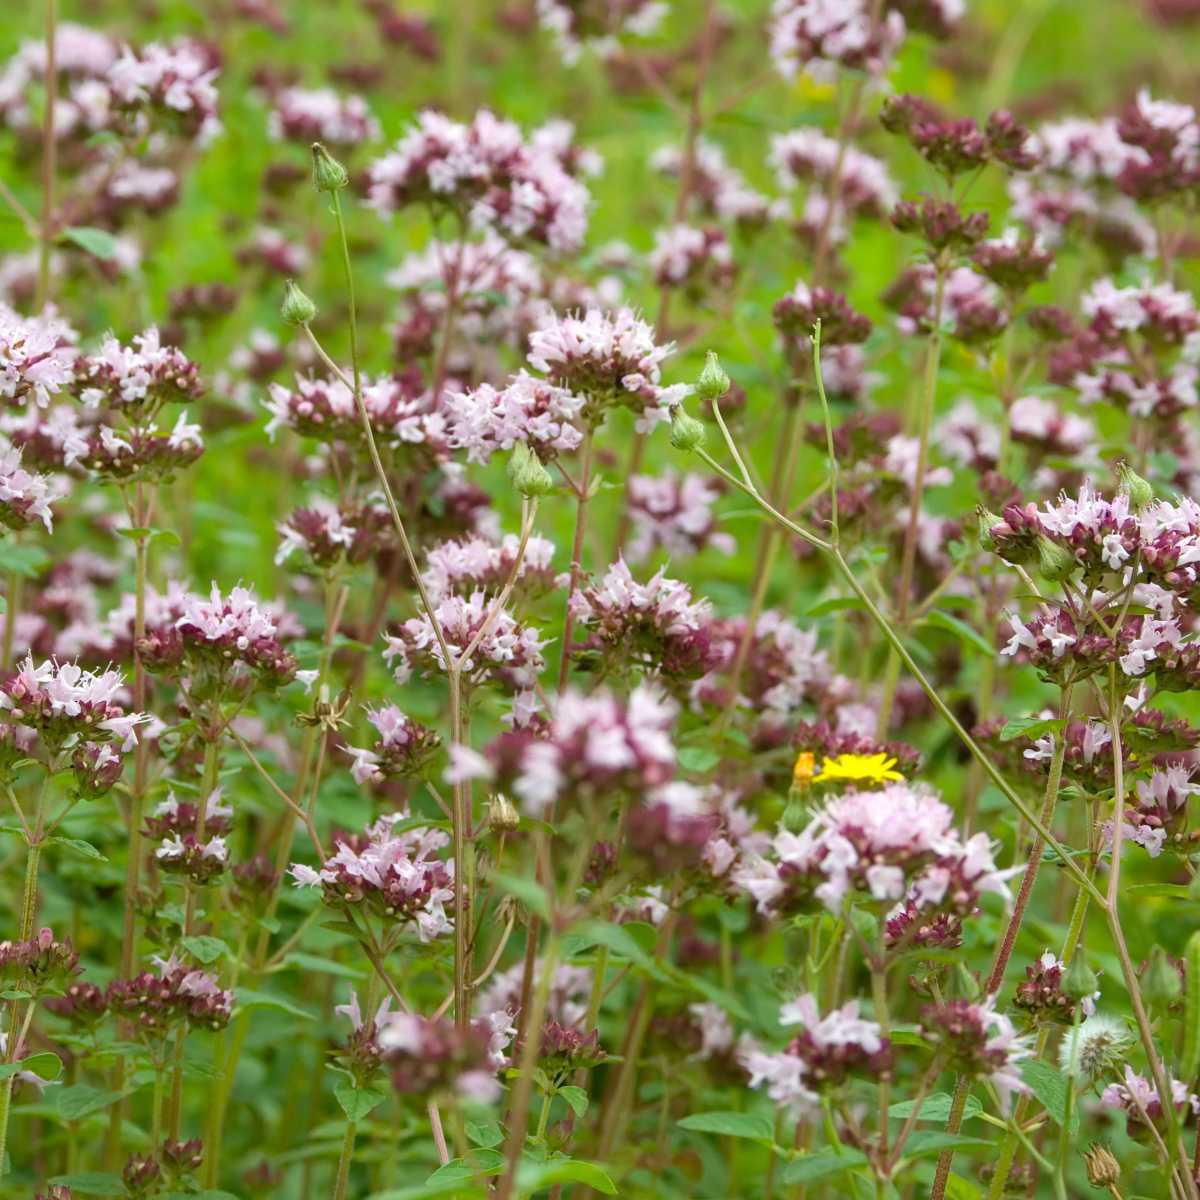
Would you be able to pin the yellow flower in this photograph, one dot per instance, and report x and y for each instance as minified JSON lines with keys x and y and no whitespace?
{"x":859,"y":768}
{"x":805,"y":768}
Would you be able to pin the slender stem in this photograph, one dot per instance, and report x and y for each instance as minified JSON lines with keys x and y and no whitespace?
{"x":49,"y":158}
{"x":1112,"y":914}
{"x":581,"y":514}
{"x":369,"y":433}
{"x":687,"y":176}
{"x":878,"y":965}
{"x":344,"y":1159}
{"x":933,"y":355}
{"x":518,"y":1120}
{"x":1004,"y":951}
{"x":12,"y":608}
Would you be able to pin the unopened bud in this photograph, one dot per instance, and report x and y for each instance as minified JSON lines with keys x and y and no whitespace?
{"x":1161,"y":984}
{"x":328,"y":174}
{"x":968,"y":983}
{"x":1079,"y":980}
{"x":1103,"y":1169}
{"x":987,"y":522}
{"x":797,"y":813}
{"x":686,"y":432}
{"x":297,"y":308}
{"x":713,"y":382}
{"x":1054,"y":562}
{"x":502,"y":814}
{"x":1138,"y":490}
{"x":527,"y":473}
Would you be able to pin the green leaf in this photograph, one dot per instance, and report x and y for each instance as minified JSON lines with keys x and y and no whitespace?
{"x":81,"y":1100}
{"x":698,"y":758}
{"x":936,"y":1107}
{"x":446,"y":1190}
{"x":533,"y":1177}
{"x":323,"y":966}
{"x":205,"y":949}
{"x":934,"y":1141}
{"x":484,"y":1133}
{"x":576,"y":1097}
{"x":481,"y":1162}
{"x":357,"y":1102}
{"x":85,"y":849}
{"x":821,"y":1165}
{"x":44,"y":1065}
{"x":940,"y":619}
{"x":835,"y":604}
{"x":97,"y":242}
{"x":958,"y":1188}
{"x":528,"y":891}
{"x":730,"y":1124}
{"x":26,"y":561}
{"x":91,"y":1183}
{"x":1030,"y":727}
{"x":247,"y":999}
{"x":619,"y":941}
{"x":1049,"y":1085}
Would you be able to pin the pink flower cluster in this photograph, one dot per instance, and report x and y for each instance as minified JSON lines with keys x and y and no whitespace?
{"x":895,"y":844}
{"x":321,"y":115}
{"x":509,"y":652}
{"x":403,"y":748}
{"x":140,"y":378}
{"x":674,"y":513}
{"x":219,"y":640}
{"x":819,"y":36}
{"x":656,"y":626}
{"x":609,"y":357}
{"x":544,"y":416}
{"x":397,"y":875}
{"x":718,"y":188}
{"x":401,"y":414}
{"x":488,"y":174}
{"x":25,"y":496}
{"x":577,"y":27}
{"x":826,"y":1051}
{"x":591,"y":748}
{"x":37,"y":357}
{"x":473,"y":563}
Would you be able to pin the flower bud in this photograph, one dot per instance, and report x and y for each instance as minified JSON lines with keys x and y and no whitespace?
{"x":987,"y":522}
{"x":527,"y":473}
{"x":1054,"y":562}
{"x":328,"y":174}
{"x":297,"y":308}
{"x":797,"y":813}
{"x":1103,"y":1169}
{"x":1138,"y":490}
{"x":968,"y":983}
{"x":1079,"y":980}
{"x":502,"y":815}
{"x":713,"y":382}
{"x":1161,"y":984}
{"x":686,"y":432}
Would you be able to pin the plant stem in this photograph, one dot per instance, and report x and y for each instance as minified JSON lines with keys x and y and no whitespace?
{"x":49,"y":159}
{"x":933,"y":357}
{"x":582,"y":499}
{"x":12,"y":608}
{"x":518,"y":1120}
{"x":344,"y":1159}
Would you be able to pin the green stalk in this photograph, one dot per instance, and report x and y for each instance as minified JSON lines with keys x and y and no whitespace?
{"x":49,"y":160}
{"x":344,"y":1159}
{"x":17,"y":1027}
